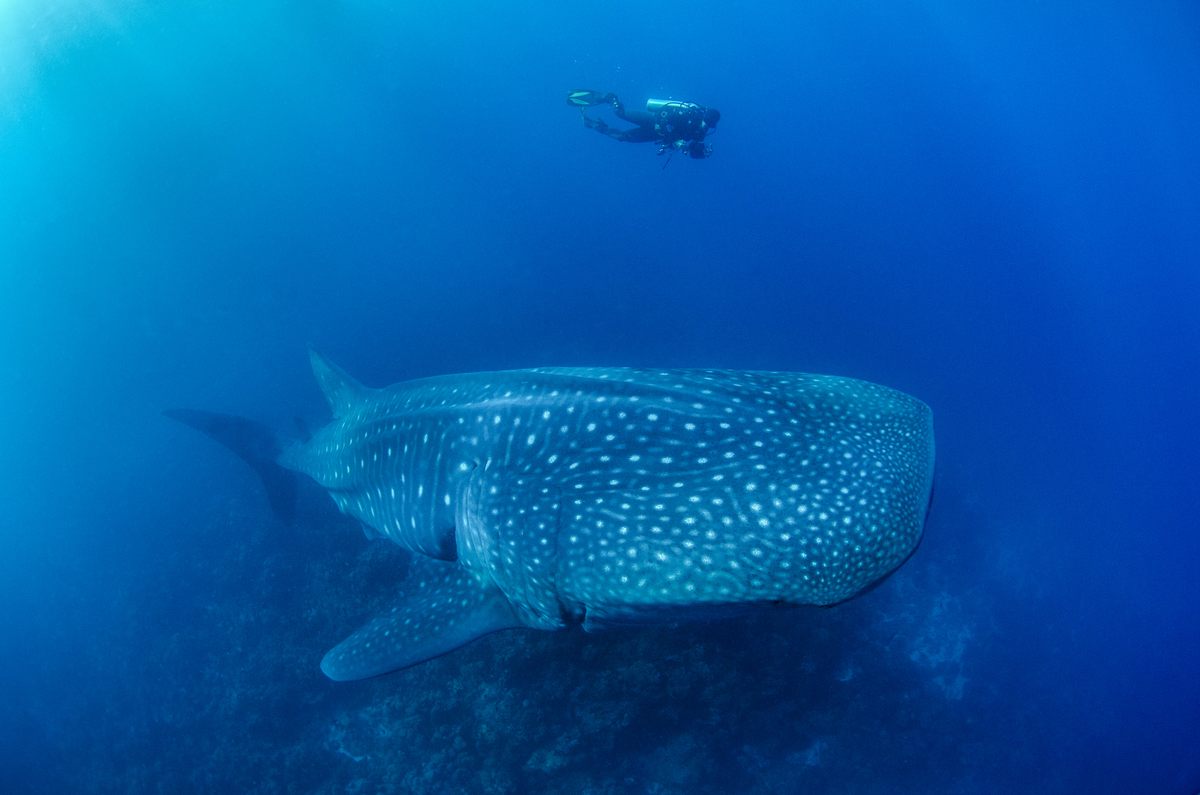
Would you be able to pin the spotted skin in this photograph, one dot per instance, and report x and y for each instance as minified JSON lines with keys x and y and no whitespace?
{"x":600,"y":496}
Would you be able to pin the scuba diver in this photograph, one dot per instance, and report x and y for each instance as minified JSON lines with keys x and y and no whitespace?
{"x":673,"y":124}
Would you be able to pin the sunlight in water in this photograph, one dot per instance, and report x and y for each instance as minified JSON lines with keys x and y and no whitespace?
{"x":34,"y":33}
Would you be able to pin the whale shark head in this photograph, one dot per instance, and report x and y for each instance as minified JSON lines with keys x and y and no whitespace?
{"x":730,"y":489}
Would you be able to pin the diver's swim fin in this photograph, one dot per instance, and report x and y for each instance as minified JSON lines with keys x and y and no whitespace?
{"x":583,"y":98}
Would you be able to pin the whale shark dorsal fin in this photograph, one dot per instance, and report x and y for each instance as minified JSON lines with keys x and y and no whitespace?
{"x":441,"y":606}
{"x":341,"y":390}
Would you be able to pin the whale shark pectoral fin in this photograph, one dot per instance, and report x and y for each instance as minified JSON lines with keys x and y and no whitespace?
{"x":341,"y":390}
{"x":443,"y":607}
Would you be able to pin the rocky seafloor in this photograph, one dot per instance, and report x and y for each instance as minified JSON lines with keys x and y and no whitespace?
{"x":210,"y":683}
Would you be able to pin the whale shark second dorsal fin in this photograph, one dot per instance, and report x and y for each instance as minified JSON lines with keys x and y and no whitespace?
{"x":340,"y":389}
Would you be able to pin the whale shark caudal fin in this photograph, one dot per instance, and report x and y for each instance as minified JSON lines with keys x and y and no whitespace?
{"x":255,"y":444}
{"x":341,"y":390}
{"x":442,"y":606}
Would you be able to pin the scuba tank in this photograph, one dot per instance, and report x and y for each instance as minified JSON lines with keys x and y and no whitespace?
{"x":656,"y":105}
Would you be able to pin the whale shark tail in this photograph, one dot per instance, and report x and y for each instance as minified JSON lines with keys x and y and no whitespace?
{"x":254,"y":443}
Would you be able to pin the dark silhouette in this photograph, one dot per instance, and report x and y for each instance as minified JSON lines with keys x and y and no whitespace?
{"x":674,"y":124}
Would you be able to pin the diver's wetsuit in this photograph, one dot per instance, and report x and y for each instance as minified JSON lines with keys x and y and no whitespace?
{"x":673,"y":124}
{"x":642,"y":133}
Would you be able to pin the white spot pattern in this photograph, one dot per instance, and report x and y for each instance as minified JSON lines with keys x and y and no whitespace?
{"x":592,"y":494}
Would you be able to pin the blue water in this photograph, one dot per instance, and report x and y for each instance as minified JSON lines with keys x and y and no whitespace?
{"x":992,"y":206}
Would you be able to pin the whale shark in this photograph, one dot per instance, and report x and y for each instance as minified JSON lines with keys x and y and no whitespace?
{"x":599,"y":497}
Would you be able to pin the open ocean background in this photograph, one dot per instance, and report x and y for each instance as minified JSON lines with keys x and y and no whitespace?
{"x":993,"y":206}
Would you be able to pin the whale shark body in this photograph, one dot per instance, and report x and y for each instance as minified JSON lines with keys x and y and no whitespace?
{"x":553,"y":497}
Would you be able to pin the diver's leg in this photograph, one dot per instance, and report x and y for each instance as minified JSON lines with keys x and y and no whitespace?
{"x":637,"y":135}
{"x":600,"y":126}
{"x":634,"y":135}
{"x":644,"y":131}
{"x":639,"y":117}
